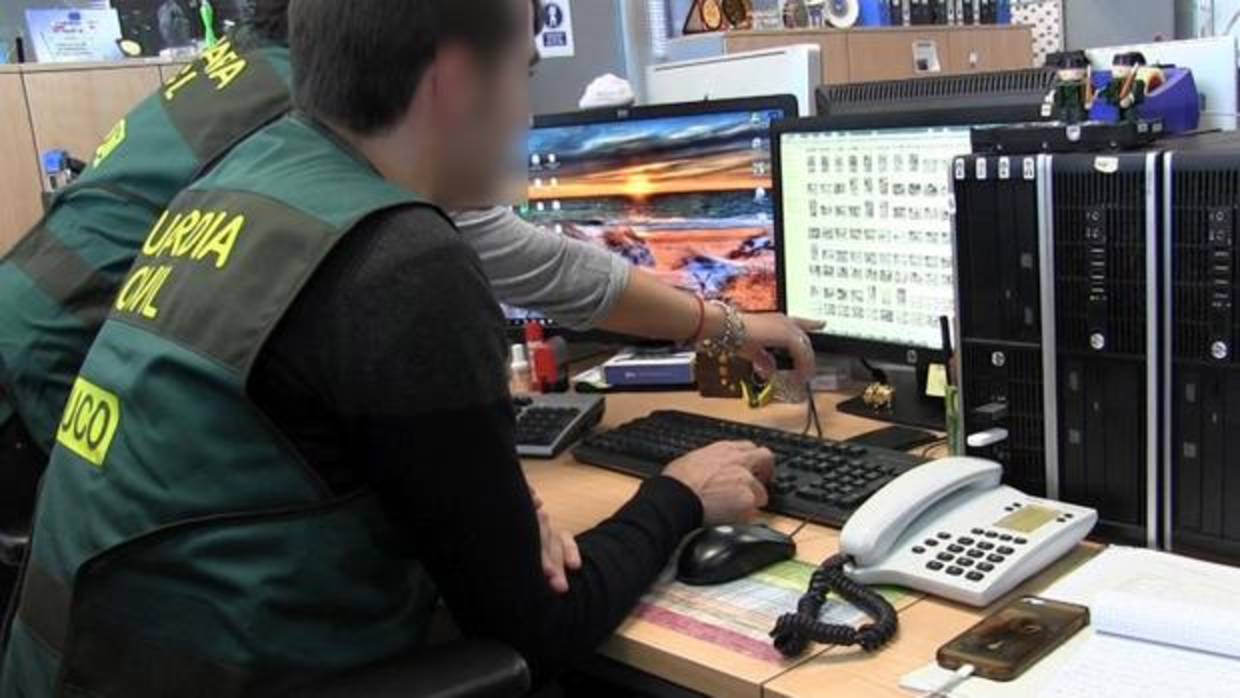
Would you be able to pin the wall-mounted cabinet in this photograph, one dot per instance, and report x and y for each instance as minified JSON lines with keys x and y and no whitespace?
{"x":20,"y":205}
{"x":59,"y":107}
{"x":889,"y":53}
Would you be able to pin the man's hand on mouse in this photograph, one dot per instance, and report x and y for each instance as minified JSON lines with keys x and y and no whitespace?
{"x":729,"y":477}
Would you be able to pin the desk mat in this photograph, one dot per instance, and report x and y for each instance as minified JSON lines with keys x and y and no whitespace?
{"x":738,"y":616}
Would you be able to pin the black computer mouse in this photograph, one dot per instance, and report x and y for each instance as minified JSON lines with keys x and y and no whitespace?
{"x":726,"y":553}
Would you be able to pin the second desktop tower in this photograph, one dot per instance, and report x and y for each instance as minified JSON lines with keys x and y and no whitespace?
{"x":1058,"y":269}
{"x":1202,"y":368}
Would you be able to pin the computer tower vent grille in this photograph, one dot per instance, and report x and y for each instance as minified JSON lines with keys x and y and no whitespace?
{"x":1203,"y":271}
{"x":998,"y":253}
{"x":1035,"y":80}
{"x":1101,"y":308}
{"x":1011,"y":375}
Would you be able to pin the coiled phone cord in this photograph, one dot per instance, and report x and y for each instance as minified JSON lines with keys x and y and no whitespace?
{"x":794,"y":631}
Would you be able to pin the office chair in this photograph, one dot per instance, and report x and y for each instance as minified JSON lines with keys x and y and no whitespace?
{"x":464,"y":669}
{"x":21,"y":465}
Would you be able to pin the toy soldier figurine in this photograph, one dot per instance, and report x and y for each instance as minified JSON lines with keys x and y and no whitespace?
{"x":1130,"y":83}
{"x":1072,"y":96}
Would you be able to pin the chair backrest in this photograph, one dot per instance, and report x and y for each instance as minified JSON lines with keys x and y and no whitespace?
{"x":466,"y":669}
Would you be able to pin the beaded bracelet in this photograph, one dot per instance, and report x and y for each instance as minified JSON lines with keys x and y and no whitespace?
{"x":734,"y":334}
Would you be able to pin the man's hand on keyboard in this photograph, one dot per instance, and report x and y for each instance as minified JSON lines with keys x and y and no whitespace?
{"x":729,"y":477}
{"x":560,"y":555}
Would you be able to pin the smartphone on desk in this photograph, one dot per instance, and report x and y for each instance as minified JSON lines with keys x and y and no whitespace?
{"x":1005,"y":645}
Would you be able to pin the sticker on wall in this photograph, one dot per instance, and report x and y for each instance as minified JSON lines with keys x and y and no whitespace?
{"x":1045,"y":18}
{"x":556,"y":38}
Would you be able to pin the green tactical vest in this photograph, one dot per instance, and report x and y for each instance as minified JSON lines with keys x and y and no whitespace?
{"x":56,"y":285}
{"x":182,"y":547}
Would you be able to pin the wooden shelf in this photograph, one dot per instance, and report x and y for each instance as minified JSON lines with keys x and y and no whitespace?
{"x":886,"y":53}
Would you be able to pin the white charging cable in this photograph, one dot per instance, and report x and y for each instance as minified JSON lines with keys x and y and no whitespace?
{"x":962,"y":674}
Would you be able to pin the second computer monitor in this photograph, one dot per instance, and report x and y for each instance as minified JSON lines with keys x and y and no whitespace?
{"x":865,"y":236}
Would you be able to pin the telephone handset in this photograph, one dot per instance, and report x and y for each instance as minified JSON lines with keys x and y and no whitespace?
{"x":948,"y":528}
{"x":874,"y":528}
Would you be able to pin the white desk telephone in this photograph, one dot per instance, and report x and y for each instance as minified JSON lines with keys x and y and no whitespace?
{"x":948,"y":528}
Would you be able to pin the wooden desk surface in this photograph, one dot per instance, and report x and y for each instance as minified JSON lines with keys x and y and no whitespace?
{"x":580,"y":496}
{"x":924,"y":627}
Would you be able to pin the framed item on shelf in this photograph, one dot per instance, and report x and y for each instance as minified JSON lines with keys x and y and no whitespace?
{"x":711,"y":12}
{"x":737,"y":12}
{"x":716,"y":15}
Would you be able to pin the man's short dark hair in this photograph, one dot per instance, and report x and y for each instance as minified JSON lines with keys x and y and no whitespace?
{"x":359,"y":63}
{"x":269,"y":18}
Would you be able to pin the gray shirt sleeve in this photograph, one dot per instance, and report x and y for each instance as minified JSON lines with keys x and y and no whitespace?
{"x":573,"y":282}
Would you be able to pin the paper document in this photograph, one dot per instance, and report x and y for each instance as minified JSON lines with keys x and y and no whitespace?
{"x":738,"y":616}
{"x":1161,"y":625}
{"x":1113,"y":666}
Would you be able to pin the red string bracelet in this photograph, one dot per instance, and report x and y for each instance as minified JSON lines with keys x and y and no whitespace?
{"x":701,"y":323}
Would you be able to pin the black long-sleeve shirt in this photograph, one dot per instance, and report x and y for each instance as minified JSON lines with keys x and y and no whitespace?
{"x":390,"y":373}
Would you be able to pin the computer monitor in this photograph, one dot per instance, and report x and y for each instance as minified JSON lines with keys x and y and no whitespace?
{"x":864,"y":233}
{"x":682,"y":190}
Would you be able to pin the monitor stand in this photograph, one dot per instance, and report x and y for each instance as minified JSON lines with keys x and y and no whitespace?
{"x":911,"y":407}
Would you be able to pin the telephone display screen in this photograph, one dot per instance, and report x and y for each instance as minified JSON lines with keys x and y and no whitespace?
{"x":1028,"y":519}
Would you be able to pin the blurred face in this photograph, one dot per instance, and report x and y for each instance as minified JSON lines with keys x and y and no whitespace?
{"x":1121,"y":71}
{"x":488,"y":114}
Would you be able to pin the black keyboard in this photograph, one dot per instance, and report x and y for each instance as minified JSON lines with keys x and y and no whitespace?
{"x":548,"y":424}
{"x":820,"y":480}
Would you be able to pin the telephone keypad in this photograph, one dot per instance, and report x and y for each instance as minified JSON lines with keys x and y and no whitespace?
{"x":972,"y":555}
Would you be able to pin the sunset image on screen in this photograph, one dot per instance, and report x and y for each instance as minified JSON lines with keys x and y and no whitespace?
{"x":684,"y":197}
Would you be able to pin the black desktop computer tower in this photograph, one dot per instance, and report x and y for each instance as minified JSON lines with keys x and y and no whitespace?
{"x":1202,"y":368}
{"x":1058,"y":300}
{"x":999,"y":252}
{"x":1105,"y":227}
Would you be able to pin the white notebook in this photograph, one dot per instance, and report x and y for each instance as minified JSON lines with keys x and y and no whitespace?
{"x":1162,"y":626}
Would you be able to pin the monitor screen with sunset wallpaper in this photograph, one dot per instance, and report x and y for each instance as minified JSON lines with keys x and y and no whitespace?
{"x":683,"y":191}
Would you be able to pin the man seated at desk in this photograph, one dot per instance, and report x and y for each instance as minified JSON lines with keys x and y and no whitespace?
{"x":59,"y":283}
{"x":303,"y":422}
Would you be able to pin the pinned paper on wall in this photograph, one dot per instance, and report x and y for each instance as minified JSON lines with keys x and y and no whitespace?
{"x":555,"y":40}
{"x":62,"y":36}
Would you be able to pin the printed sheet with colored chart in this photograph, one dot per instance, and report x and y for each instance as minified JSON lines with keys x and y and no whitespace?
{"x":738,"y":616}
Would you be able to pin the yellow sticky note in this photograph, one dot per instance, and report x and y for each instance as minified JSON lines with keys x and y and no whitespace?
{"x":936,"y":381}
